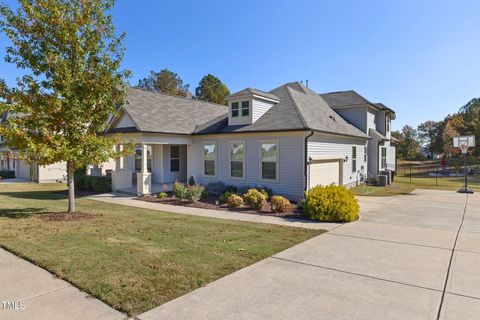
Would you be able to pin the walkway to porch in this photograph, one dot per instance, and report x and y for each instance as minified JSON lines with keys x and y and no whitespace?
{"x":156,"y":188}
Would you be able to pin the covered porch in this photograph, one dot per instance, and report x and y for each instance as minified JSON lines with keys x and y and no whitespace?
{"x":158,"y":162}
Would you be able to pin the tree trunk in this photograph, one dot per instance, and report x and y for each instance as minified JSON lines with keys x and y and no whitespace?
{"x":71,"y":187}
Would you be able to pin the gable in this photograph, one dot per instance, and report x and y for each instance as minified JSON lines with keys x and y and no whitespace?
{"x":123,"y":121}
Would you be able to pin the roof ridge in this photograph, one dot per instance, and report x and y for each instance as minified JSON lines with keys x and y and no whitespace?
{"x":302,"y":119}
{"x":179,"y":97}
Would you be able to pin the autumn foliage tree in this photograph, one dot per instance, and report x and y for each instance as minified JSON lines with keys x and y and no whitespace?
{"x":71,"y":56}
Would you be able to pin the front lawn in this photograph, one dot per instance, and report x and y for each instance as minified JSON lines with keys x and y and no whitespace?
{"x":391,"y":190}
{"x":132,"y":259}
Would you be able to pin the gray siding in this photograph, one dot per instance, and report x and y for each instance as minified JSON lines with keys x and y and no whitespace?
{"x":327,"y":145}
{"x":157,"y":163}
{"x":181,"y":175}
{"x":259,"y":108}
{"x":291,"y":163}
{"x":356,"y":116}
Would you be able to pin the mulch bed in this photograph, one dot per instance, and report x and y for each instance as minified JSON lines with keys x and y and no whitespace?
{"x":209,"y":203}
{"x":65,"y":216}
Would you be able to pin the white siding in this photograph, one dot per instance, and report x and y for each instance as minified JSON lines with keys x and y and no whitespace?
{"x":124,"y":122}
{"x":291,"y":162}
{"x":259,"y":108}
{"x":371,"y":120}
{"x":356,"y":116}
{"x":53,"y":172}
{"x":23,"y":170}
{"x":326,"y":145}
{"x":169,"y":176}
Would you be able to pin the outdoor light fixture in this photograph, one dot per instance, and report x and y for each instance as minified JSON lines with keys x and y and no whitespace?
{"x":346,"y":159}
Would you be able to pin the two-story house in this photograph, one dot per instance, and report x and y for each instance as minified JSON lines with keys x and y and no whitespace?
{"x":372,"y":118}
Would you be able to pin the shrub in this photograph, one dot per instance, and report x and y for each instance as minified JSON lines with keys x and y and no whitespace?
{"x":98,"y":184}
{"x":179,"y":190}
{"x":231,"y":189}
{"x":234,"y":201}
{"x":7,"y":174}
{"x":216,"y":188}
{"x":244,"y":189}
{"x":194,"y":193}
{"x":224,"y":196}
{"x":267,"y":191}
{"x":255,"y":199}
{"x":279,"y":204}
{"x":162,"y":195}
{"x":331,"y":204}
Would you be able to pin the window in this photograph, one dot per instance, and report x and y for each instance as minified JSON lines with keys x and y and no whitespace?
{"x":384,"y":157}
{"x":138,"y":158}
{"x":245,"y":108}
{"x":237,"y":159}
{"x":174,"y":158}
{"x":365,"y":154}
{"x":354,"y":159}
{"x":387,"y":120}
{"x":269,"y":160}
{"x":209,"y":159}
{"x":234,"y":109}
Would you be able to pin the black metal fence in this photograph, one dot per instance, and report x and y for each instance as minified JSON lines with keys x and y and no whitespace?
{"x":448,"y":175}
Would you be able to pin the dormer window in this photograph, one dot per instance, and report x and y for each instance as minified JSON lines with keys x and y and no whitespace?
{"x":388,"y":123}
{"x":235,"y":109}
{"x":245,"y":108}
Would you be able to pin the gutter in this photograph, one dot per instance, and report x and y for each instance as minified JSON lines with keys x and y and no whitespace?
{"x":307,"y":161}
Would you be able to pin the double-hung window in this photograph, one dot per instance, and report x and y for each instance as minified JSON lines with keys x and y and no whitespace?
{"x":354,"y":159}
{"x":235,"y":111}
{"x":269,"y":160}
{"x":365,"y":154}
{"x":237,"y":159}
{"x":245,"y":108}
{"x":384,"y":157}
{"x":387,"y":120}
{"x":210,"y":159}
{"x":174,"y":158}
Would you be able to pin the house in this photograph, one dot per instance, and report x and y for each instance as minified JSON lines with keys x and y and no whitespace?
{"x":10,"y":161}
{"x":373,"y":119}
{"x":289,"y":139}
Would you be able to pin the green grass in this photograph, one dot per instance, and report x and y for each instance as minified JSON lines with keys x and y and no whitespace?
{"x":132,"y":259}
{"x":443,"y":183}
{"x":391,"y":190}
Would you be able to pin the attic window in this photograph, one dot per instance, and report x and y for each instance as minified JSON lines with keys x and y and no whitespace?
{"x":235,"y":109}
{"x":245,"y":108}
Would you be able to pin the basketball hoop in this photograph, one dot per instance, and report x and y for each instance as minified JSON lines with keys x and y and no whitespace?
{"x":463,"y":143}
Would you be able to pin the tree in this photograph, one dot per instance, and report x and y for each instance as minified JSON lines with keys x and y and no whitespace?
{"x":72,"y":56}
{"x":470,"y":114}
{"x":429,"y":133}
{"x":165,"y":81}
{"x":213,"y":90}
{"x":408,"y":144}
{"x":450,"y":131}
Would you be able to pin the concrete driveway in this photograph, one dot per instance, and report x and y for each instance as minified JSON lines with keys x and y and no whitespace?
{"x":409,"y":257}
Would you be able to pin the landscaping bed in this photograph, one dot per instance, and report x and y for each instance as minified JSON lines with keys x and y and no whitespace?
{"x":210,"y":202}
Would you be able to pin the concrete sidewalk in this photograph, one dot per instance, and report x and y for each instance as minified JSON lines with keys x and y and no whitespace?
{"x":402,"y":260}
{"x":30,"y":292}
{"x":128,"y":200}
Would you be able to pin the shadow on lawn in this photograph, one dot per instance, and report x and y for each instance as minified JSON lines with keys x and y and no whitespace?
{"x":20,"y":213}
{"x":34,"y":195}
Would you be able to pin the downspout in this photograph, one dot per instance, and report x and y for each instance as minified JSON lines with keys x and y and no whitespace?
{"x":307,"y":161}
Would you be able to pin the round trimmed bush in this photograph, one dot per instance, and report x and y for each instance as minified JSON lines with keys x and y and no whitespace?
{"x":255,"y":199}
{"x":224,"y":196}
{"x":331,"y":204}
{"x":234,"y":201}
{"x":279,"y":204}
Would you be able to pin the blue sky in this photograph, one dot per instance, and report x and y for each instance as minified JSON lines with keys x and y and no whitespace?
{"x":422,"y":58}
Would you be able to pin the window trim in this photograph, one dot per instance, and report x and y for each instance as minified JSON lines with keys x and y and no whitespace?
{"x":277,"y":167}
{"x":354,"y":159}
{"x":387,"y":124}
{"x":365,"y":153}
{"x":203,"y":159}
{"x":179,"y":157}
{"x":247,"y":109}
{"x":237,"y":108}
{"x":135,"y":159}
{"x":230,"y":143}
{"x":382,"y":157}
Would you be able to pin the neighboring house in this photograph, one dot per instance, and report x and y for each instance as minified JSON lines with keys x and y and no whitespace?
{"x":9,"y":160}
{"x":289,"y":139}
{"x":373,"y":119}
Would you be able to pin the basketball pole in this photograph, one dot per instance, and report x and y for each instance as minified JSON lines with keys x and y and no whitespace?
{"x":465,"y":188}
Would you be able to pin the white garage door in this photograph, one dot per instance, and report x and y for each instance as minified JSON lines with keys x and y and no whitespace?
{"x":324,"y":173}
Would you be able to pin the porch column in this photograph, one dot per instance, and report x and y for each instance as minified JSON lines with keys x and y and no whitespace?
{"x":121,"y":176}
{"x":144,"y":179}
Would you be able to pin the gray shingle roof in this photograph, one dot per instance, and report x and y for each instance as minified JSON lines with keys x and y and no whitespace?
{"x":344,"y":98}
{"x":299,"y":109}
{"x":250,"y":91}
{"x":384,"y":107}
{"x":158,"y":112}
